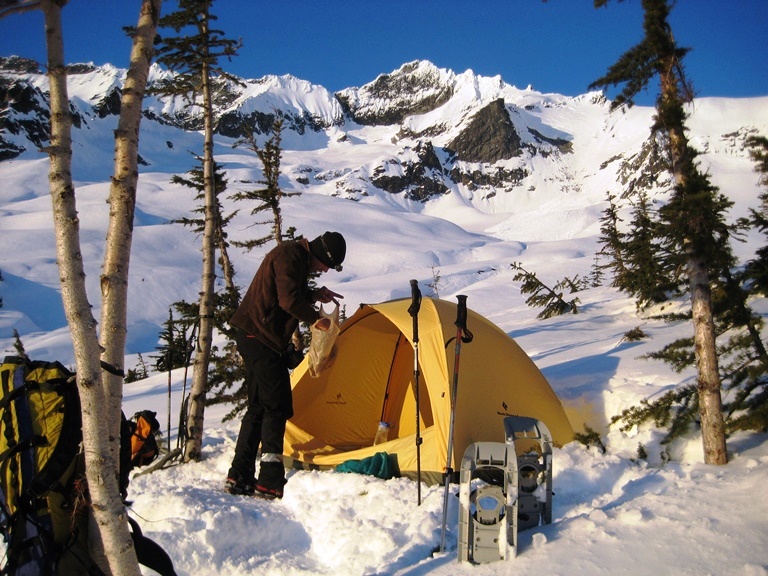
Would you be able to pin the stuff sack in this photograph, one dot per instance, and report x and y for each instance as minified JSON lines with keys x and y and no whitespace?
{"x":378,"y":465}
{"x":144,"y":448}
{"x":138,"y":444}
{"x":321,"y":347}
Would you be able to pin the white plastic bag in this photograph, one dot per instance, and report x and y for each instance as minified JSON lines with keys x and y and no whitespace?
{"x":322,"y":350}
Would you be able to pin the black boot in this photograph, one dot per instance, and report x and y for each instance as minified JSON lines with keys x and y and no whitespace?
{"x":271,"y":480}
{"x":238,"y":487}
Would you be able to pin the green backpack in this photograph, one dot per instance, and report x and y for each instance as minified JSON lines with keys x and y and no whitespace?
{"x":40,"y":436}
{"x":42,"y":474}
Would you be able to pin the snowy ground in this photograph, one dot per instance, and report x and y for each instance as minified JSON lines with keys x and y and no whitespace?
{"x":611,"y":516}
{"x":612,"y":513}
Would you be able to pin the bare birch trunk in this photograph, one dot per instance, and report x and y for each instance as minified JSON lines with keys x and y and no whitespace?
{"x":108,"y":510}
{"x":196,"y":411}
{"x":122,"y":202}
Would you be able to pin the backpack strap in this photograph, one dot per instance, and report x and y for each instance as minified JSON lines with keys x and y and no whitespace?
{"x":149,"y":552}
{"x":19,"y":433}
{"x":27,"y":550}
{"x":24,"y":445}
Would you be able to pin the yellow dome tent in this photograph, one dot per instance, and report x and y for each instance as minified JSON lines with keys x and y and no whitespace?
{"x":372,"y":380}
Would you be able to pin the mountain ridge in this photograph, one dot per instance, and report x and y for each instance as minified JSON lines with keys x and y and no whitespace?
{"x":424,"y":132}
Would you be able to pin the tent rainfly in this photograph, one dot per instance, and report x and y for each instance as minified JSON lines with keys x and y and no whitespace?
{"x":372,"y":380}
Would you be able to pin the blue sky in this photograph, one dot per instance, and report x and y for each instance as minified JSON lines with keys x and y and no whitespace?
{"x":555,"y":46}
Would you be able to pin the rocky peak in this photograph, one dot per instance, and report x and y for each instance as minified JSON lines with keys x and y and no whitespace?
{"x":489,"y":136}
{"x":417,"y":172}
{"x":415,"y":88}
{"x":434,"y":133}
{"x":28,"y":117}
{"x":19,"y":65}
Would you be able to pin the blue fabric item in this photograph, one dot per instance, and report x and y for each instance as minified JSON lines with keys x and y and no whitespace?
{"x":377,"y":465}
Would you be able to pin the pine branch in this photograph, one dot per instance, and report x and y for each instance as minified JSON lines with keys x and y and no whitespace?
{"x":542,"y":296}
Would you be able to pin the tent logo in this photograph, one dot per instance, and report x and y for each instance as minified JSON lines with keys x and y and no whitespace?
{"x":338,"y":400}
{"x":504,"y":413}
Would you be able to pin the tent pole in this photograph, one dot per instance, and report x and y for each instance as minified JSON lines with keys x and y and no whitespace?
{"x":413,"y":310}
{"x":462,"y":335}
{"x":389,"y":379}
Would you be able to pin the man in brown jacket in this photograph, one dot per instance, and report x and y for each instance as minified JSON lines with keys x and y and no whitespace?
{"x":277,"y":299}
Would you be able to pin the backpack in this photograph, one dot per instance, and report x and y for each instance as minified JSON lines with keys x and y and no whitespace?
{"x":142,"y":428}
{"x":43,"y":492}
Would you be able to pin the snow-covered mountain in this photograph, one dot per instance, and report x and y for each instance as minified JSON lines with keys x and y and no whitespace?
{"x":442,"y":177}
{"x":417,"y":133}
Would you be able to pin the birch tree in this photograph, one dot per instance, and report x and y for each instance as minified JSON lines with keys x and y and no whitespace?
{"x":122,"y":203}
{"x":99,"y":456}
{"x":110,"y":533}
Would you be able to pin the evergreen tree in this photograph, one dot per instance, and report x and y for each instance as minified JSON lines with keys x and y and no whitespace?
{"x":743,"y":365}
{"x":596,"y":274}
{"x":18,"y":345}
{"x":646,"y":279}
{"x":194,"y":55}
{"x":692,"y":230}
{"x":744,"y":361}
{"x":612,"y":241}
{"x":268,"y":198}
{"x":757,"y":269}
{"x":747,"y":369}
{"x":221,"y":221}
{"x":226,"y":369}
{"x":176,"y":348}
{"x":140,"y":372}
{"x":633,"y":256}
{"x":225,"y":366}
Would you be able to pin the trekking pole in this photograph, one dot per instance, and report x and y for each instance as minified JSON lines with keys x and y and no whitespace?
{"x":169,"y":361}
{"x":413,"y":310}
{"x":188,"y":348}
{"x":462,"y":335}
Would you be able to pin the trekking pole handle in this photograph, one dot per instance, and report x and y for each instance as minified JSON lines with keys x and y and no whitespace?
{"x":413,"y":310}
{"x":461,"y":320}
{"x":461,"y":311}
{"x":415,"y":298}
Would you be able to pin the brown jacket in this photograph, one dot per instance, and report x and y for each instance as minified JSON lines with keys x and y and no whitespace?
{"x":278,"y":297}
